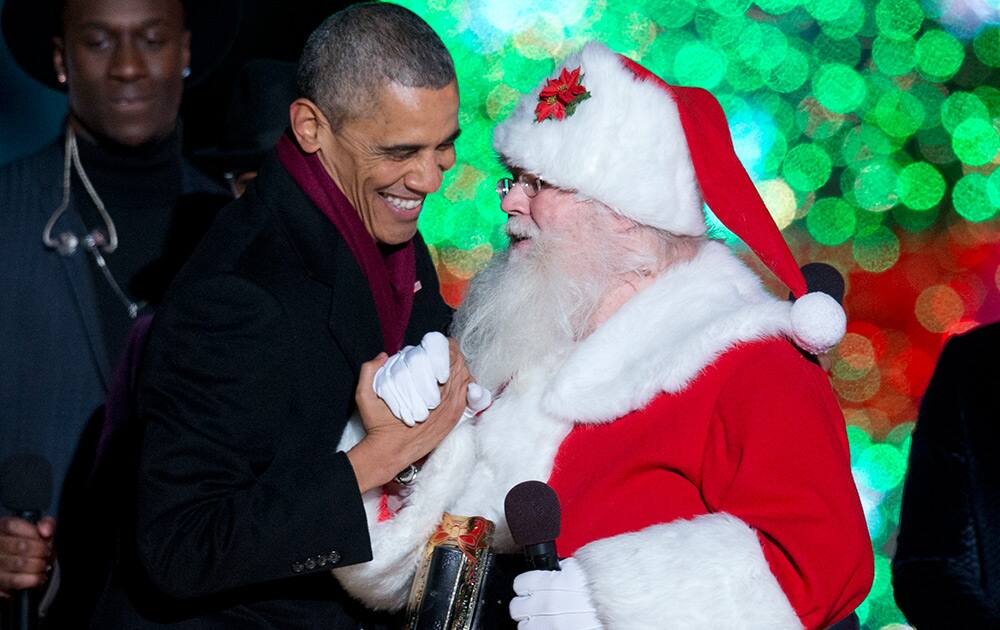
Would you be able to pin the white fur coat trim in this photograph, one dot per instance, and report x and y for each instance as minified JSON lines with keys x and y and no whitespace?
{"x":516,"y":440}
{"x":624,"y":146}
{"x":662,"y":338}
{"x":709,"y":572}
{"x":384,"y":583}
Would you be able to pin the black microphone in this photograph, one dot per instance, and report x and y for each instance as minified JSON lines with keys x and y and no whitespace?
{"x":823,"y":278}
{"x":532,"y":510}
{"x":25,"y":490}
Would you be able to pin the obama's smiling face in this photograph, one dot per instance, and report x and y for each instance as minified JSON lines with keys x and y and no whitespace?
{"x":389,"y":159}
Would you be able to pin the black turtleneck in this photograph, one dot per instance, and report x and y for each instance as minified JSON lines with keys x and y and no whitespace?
{"x":139,"y":187}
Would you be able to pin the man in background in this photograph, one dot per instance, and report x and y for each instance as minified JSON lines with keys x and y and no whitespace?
{"x":85,"y":216}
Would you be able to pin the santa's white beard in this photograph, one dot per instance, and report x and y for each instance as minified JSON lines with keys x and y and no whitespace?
{"x":535,"y":302}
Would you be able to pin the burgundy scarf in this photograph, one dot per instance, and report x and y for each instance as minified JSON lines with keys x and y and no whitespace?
{"x":391,"y":273}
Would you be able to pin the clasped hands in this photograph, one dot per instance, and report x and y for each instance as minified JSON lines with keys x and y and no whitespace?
{"x":412,"y":393}
{"x":409,"y":381}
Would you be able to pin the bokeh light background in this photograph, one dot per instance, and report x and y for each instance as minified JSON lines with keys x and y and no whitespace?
{"x":870,"y":129}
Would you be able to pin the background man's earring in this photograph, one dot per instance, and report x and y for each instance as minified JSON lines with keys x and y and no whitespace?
{"x":61,"y":78}
{"x":186,"y":72}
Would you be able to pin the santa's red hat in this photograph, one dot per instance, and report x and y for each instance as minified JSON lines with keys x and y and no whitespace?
{"x":608,"y":128}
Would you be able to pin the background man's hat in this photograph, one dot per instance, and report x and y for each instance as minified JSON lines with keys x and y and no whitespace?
{"x":656,"y":153}
{"x":257,"y":115}
{"x":29,"y":26}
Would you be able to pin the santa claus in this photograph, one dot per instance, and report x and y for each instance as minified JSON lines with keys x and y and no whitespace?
{"x":643,"y":371}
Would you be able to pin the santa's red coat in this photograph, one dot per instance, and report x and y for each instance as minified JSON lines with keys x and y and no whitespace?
{"x":724,"y":446}
{"x":700,"y":459}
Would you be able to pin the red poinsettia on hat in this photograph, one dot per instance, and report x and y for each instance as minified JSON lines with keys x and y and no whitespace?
{"x":559,"y":97}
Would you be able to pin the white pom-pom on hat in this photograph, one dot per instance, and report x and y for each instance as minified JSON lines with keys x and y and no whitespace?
{"x":818,"y":322}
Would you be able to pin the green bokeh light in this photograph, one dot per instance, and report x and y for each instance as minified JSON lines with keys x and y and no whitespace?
{"x":920,"y":186}
{"x":961,"y":106}
{"x":831,"y":221}
{"x":848,"y":24}
{"x":875,"y":185}
{"x":791,"y":73}
{"x":894,"y":57}
{"x":839,"y":88}
{"x":898,"y":19}
{"x":939,"y":55}
{"x":699,"y":64}
{"x":971,"y":198}
{"x":986,"y":45}
{"x":975,"y":142}
{"x":883,"y":467}
{"x":806,"y":167}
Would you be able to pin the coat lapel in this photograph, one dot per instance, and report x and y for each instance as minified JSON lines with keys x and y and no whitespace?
{"x":353,"y":320}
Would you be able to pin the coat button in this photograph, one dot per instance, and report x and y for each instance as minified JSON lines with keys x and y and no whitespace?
{"x":333,"y":557}
{"x":297,"y":567}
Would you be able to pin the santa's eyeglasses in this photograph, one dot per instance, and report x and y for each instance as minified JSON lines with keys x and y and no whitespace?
{"x":529,"y":183}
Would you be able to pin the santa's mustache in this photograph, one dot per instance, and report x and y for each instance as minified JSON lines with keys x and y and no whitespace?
{"x":520,"y":228}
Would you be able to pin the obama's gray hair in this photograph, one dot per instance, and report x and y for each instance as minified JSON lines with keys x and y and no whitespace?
{"x":355,"y":52}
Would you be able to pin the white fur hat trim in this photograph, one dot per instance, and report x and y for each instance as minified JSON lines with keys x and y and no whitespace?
{"x":623,"y":146}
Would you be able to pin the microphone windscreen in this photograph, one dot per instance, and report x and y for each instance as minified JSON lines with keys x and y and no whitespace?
{"x":26,"y":483}
{"x":532,"y":510}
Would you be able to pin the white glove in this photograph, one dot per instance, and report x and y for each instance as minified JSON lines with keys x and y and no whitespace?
{"x":408,"y":381}
{"x":554,"y":600}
